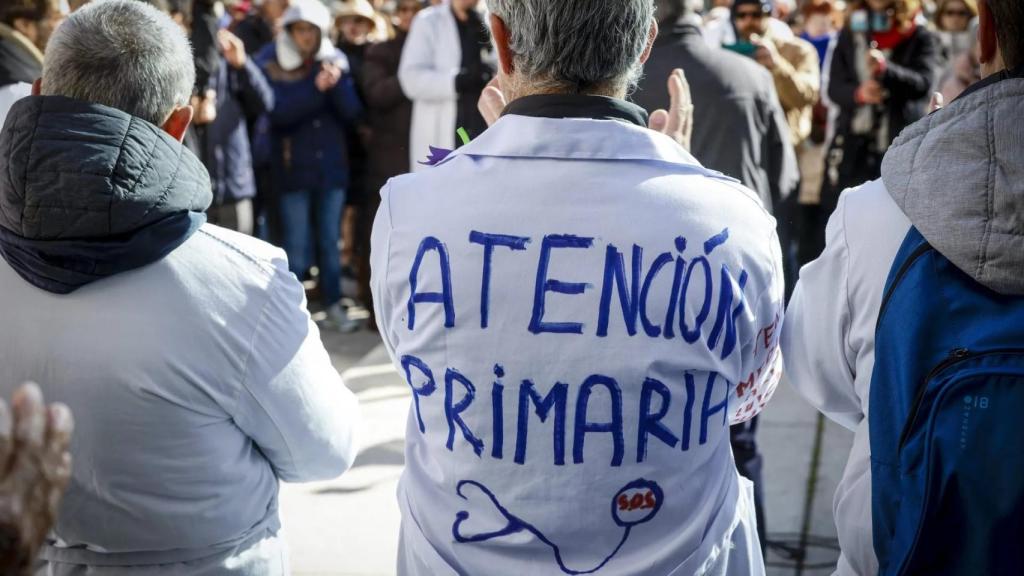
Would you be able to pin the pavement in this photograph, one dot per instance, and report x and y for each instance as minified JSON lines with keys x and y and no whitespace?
{"x":804,"y":459}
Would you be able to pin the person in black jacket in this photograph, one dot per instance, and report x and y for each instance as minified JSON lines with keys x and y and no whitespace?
{"x":390,"y":111}
{"x":256,"y":28}
{"x":354,"y":23}
{"x":390,"y":118}
{"x":740,"y":130}
{"x":881,"y":77}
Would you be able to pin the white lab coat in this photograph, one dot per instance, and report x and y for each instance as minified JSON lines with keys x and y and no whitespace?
{"x":197,"y":384}
{"x":829,"y":345}
{"x":430,"y":62}
{"x":497,"y":483}
{"x":941,"y":174}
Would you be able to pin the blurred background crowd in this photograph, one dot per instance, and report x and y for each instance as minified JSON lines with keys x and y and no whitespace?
{"x":304,"y":109}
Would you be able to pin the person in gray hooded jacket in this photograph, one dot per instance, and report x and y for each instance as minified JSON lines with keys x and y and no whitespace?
{"x":184,"y":350}
{"x":958,"y":177}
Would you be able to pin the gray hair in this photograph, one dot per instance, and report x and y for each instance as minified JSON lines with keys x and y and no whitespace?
{"x":577,"y":46}
{"x":123,"y":54}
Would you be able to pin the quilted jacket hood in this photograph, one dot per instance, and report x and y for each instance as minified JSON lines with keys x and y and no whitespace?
{"x":958,"y":175}
{"x":88,"y":191}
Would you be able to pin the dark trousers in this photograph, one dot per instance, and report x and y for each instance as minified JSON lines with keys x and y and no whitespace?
{"x":312,"y":218}
{"x":743,"y":438}
{"x":364,"y":229}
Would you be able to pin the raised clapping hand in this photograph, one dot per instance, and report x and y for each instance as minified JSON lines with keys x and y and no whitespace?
{"x":205,"y":107}
{"x":876,"y":62}
{"x":328,"y":77}
{"x":232,"y":48}
{"x":35,"y":467}
{"x":871,"y":92}
{"x":766,"y":54}
{"x":492,"y":102}
{"x":676,"y":123}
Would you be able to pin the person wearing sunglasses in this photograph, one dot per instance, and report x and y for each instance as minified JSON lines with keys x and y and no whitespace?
{"x":719,"y":31}
{"x":792,"y":62}
{"x":952,"y":26}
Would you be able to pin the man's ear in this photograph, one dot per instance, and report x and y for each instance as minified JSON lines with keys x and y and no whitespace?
{"x":501,"y":42}
{"x":651,"y":37}
{"x":177,"y":123}
{"x":987,"y":35}
{"x":37,"y":87}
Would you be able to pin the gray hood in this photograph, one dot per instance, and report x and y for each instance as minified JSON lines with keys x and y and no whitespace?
{"x":958,"y":175}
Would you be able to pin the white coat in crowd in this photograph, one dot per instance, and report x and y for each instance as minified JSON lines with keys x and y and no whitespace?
{"x":431,"y":59}
{"x":9,"y":95}
{"x":942,"y":174}
{"x":581,"y":310}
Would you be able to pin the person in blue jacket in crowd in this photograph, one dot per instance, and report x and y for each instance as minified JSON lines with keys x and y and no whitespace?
{"x":242,"y":93}
{"x":315,"y":98}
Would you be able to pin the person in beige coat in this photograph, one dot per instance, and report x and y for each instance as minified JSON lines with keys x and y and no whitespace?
{"x":793,"y":63}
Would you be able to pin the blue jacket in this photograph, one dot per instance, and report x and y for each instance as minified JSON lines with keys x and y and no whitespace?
{"x":241,"y":95}
{"x":307,"y":127}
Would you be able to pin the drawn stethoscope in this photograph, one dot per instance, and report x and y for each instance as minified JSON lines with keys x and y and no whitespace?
{"x":636,"y":503}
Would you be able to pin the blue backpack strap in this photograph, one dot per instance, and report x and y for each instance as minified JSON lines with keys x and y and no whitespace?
{"x":889,"y":405}
{"x":914,"y":245}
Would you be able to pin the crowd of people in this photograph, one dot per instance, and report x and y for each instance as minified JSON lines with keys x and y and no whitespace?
{"x":301,"y":114}
{"x":366,"y":154}
{"x":304,"y":171}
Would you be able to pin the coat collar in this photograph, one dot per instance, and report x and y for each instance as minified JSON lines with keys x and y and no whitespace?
{"x":578,"y":106}
{"x":515,"y":136}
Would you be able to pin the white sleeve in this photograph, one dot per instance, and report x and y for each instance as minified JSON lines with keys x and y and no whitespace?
{"x":9,"y":95}
{"x":418,"y":72}
{"x":292,"y":401}
{"x":819,"y":360}
{"x":762,"y":356}
{"x":380,"y":257}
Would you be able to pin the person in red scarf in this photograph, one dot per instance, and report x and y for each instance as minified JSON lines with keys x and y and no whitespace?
{"x":881,"y":78}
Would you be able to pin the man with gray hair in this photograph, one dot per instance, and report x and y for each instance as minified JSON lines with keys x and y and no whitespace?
{"x":184,"y":350}
{"x":580,"y":309}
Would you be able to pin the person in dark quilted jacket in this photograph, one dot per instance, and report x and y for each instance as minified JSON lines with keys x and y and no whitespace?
{"x":185,"y":351}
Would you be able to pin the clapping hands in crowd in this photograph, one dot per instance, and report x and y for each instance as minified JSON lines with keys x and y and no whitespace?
{"x":35,"y":466}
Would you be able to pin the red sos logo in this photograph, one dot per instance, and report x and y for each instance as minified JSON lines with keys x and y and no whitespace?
{"x":637,"y":502}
